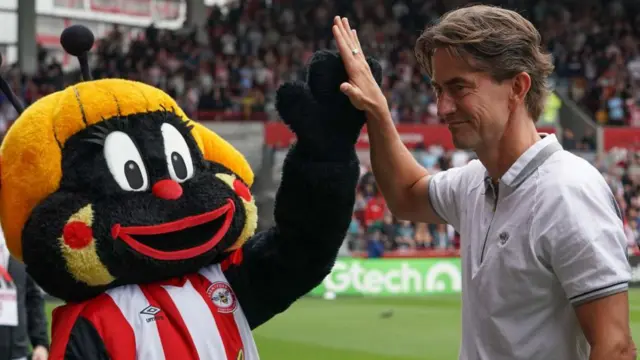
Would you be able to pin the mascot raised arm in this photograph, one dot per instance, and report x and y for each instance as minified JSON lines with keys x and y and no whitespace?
{"x":143,"y":221}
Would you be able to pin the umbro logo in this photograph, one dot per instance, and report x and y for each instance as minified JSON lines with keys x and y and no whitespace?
{"x":150,"y":310}
{"x":151,"y":313}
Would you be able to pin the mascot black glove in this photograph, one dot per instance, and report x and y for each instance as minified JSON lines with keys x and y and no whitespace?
{"x":327,"y":126}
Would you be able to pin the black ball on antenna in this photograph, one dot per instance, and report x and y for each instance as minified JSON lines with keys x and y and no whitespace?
{"x":77,"y":40}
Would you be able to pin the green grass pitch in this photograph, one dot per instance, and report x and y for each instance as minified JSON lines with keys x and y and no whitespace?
{"x":426,"y":328}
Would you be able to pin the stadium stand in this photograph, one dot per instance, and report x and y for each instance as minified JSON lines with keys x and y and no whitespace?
{"x":254,"y":47}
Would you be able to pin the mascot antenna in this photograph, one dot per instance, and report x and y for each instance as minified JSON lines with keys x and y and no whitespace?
{"x":77,"y":40}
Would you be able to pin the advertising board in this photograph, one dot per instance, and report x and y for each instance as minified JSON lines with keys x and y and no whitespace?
{"x":622,"y":137}
{"x":393,"y":277}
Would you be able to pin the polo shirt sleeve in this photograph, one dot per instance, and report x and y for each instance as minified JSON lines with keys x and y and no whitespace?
{"x":582,"y":238}
{"x":445,"y":188}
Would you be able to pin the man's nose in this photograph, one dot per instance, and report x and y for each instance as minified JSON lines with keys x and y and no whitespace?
{"x":446,"y":106}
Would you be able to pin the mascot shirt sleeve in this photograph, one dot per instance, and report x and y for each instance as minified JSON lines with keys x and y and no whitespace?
{"x":191,"y":317}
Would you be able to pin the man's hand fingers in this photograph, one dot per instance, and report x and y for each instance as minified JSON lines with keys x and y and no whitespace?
{"x":341,"y":43}
{"x":347,"y":30}
{"x":343,"y":26}
{"x":347,"y":41}
{"x":356,"y":41}
{"x":348,"y":33}
{"x":361,"y":79}
{"x":345,"y":36}
{"x":354,"y":36}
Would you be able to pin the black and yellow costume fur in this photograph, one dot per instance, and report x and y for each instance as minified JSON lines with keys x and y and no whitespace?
{"x":108,"y":183}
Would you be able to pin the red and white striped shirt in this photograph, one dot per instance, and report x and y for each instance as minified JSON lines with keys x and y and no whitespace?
{"x":193,"y":317}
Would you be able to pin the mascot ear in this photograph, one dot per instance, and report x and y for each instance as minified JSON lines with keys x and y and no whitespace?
{"x":218,"y":150}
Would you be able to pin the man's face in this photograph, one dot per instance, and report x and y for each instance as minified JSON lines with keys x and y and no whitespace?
{"x":474,"y":106}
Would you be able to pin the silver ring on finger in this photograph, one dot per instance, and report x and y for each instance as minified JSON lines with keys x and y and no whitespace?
{"x":355,"y":51}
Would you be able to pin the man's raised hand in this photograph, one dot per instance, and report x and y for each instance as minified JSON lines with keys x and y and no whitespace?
{"x":361,"y":88}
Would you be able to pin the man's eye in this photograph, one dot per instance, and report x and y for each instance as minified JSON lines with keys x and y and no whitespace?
{"x":458,"y":88}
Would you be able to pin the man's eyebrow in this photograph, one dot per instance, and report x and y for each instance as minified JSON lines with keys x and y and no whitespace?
{"x":455,"y":80}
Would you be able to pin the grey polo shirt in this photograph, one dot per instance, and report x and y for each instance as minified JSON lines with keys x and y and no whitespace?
{"x":552,"y":239}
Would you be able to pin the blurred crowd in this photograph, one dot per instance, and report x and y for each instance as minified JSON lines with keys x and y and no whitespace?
{"x":597,"y":58}
{"x":251,"y":47}
{"x":621,"y":169}
{"x":374,"y":229}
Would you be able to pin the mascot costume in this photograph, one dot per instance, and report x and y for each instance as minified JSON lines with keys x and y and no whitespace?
{"x":143,"y":221}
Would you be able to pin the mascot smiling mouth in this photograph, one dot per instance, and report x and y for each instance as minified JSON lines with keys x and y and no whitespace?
{"x":160,"y":241}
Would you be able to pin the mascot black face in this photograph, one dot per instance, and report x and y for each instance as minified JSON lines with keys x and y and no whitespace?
{"x":137,"y":203}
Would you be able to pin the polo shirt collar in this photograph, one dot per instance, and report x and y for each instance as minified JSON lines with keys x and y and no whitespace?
{"x":529,"y":161}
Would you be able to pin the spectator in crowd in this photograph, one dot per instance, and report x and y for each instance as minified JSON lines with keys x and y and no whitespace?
{"x":423,"y":236}
{"x":255,"y":46}
{"x":375,"y":244}
{"x":23,"y":323}
{"x":372,"y":217}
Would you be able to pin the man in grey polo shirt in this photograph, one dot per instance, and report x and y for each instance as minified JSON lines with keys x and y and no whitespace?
{"x":545,"y":271}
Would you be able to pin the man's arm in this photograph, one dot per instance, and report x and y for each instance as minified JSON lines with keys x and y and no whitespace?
{"x":36,"y":318}
{"x":605,"y":322}
{"x":403,"y":182}
{"x":409,"y":190}
{"x":582,"y":239}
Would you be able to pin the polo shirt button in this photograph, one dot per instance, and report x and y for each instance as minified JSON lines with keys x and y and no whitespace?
{"x":504,"y":236}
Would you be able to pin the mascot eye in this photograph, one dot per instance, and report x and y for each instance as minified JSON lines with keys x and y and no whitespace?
{"x":177,"y":152}
{"x":124,"y":162}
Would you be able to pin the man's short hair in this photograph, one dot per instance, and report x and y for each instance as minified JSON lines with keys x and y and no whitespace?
{"x":497,"y":41}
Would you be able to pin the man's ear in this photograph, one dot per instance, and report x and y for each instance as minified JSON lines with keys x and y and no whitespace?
{"x":520,"y":87}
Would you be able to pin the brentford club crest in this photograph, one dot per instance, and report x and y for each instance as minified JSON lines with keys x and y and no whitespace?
{"x":222,"y":297}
